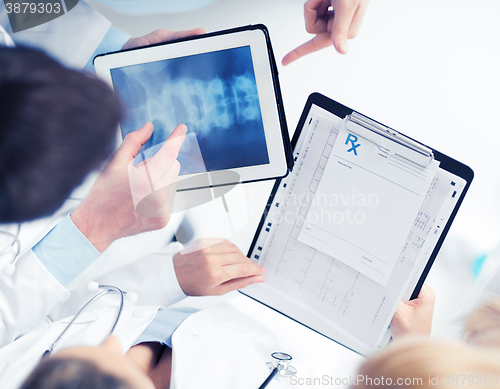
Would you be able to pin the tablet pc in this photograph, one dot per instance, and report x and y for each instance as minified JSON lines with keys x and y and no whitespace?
{"x":224,"y":87}
{"x":323,"y":292}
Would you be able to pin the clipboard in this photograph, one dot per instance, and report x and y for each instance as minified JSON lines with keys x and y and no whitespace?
{"x":299,"y":308}
{"x":377,"y":133}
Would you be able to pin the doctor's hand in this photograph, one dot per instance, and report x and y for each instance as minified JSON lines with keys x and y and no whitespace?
{"x":159,"y":36}
{"x":330,"y":26}
{"x":216,"y":268}
{"x":113,"y":208}
{"x":414,"y":317}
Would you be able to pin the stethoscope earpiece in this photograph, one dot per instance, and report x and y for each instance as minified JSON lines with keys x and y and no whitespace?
{"x":92,"y":286}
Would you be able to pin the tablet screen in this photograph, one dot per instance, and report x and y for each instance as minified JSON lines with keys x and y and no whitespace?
{"x":214,"y":94}
{"x":224,"y":87}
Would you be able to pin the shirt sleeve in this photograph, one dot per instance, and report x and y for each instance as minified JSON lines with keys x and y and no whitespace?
{"x":65,"y":252}
{"x":163,"y":326}
{"x":112,"y":41}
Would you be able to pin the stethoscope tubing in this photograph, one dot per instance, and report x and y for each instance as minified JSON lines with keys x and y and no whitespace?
{"x":109,"y":289}
{"x":269,"y":378}
{"x":16,"y":242}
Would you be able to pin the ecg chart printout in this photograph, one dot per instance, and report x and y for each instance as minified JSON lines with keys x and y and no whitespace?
{"x":352,"y":303}
{"x":365,"y":205}
{"x":456,"y":187}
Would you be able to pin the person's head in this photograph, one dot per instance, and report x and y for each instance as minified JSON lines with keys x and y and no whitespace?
{"x":56,"y":125}
{"x":102,"y":367}
{"x":425,"y":364}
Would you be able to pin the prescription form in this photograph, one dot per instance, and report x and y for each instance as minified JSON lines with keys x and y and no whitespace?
{"x":325,"y":293}
{"x":369,"y":188}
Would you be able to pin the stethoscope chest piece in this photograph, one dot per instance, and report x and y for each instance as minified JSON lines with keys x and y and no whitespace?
{"x":281,"y":367}
{"x":282,"y":362}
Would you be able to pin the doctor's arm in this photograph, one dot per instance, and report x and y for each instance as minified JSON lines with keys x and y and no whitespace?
{"x":211,"y":267}
{"x":121,"y":203}
{"x":40,"y":277}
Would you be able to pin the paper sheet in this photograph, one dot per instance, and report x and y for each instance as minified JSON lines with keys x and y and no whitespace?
{"x":351,"y":302}
{"x":362,"y":189}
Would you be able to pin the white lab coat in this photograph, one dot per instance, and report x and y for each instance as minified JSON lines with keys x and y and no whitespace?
{"x":5,"y":39}
{"x":35,"y":307}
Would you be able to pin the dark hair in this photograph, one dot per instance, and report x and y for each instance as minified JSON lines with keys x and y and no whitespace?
{"x":56,"y":125}
{"x":71,"y":373}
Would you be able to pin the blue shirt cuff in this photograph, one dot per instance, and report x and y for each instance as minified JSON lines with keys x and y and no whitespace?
{"x":112,"y":41}
{"x":163,"y":326}
{"x":65,"y":252}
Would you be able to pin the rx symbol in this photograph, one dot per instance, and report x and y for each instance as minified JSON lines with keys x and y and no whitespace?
{"x":353,"y":139}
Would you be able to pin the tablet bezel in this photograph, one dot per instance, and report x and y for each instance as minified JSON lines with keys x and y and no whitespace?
{"x":275,"y":129}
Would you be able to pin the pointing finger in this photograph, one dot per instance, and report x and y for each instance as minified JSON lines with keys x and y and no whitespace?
{"x":319,"y":42}
{"x":159,"y":165}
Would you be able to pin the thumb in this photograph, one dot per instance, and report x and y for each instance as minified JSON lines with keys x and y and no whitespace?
{"x":133,"y":142}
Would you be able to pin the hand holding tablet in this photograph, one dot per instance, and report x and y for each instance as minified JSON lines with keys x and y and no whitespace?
{"x":127,"y":200}
{"x":159,"y":36}
{"x":224,"y":86}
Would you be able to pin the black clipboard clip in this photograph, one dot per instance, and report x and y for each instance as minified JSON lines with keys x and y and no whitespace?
{"x":388,"y":140}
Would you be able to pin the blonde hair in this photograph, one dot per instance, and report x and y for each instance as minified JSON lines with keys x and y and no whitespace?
{"x":482,"y":327}
{"x":425,"y":364}
{"x":422,"y":363}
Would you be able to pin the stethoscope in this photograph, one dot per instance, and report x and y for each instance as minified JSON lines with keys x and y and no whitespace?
{"x":282,"y":367}
{"x":93,"y":287}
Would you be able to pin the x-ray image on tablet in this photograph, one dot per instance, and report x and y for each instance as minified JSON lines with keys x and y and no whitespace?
{"x":223,"y":86}
{"x":214,"y":94}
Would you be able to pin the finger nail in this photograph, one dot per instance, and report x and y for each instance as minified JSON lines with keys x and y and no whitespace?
{"x":185,"y":129}
{"x":263,"y":270}
{"x":343,"y":47}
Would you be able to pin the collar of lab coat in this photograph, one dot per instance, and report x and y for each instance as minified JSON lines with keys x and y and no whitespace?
{"x":5,"y":39}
